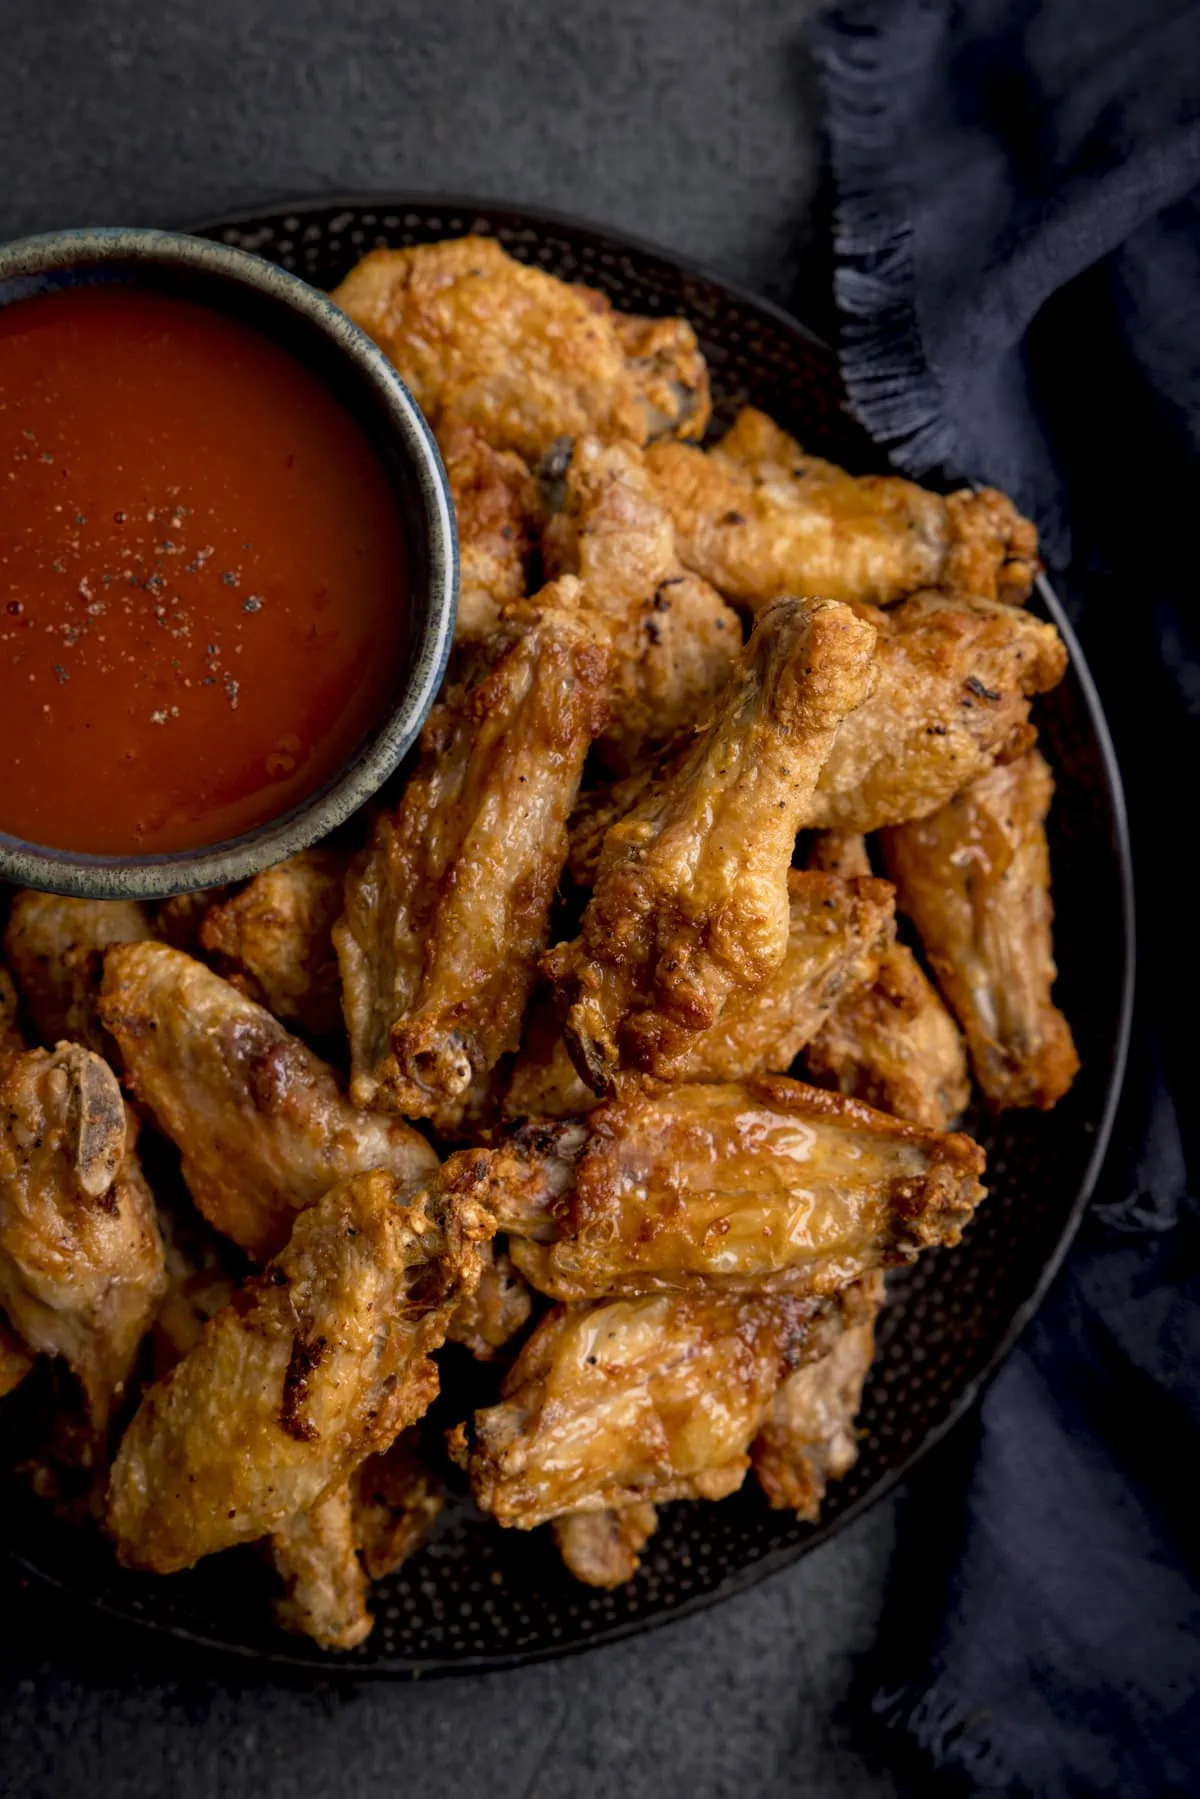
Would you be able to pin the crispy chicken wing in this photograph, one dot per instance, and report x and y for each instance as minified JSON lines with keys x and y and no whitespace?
{"x":274,"y":939}
{"x":446,"y":912}
{"x":490,"y":342}
{"x":891,"y":1043}
{"x":495,"y":505}
{"x":759,"y":519}
{"x":807,"y":1438}
{"x":262,"y":1125}
{"x":675,"y":640}
{"x":81,"y":1258}
{"x":751,"y":1185}
{"x":691,"y":898}
{"x":497,"y":1309}
{"x":55,"y":948}
{"x":636,"y":1401}
{"x":317,"y":1363}
{"x":974,"y":878}
{"x":603,"y":1549}
{"x":325,"y":1585}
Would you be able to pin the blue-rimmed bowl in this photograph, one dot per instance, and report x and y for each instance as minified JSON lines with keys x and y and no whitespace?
{"x":305,"y":321}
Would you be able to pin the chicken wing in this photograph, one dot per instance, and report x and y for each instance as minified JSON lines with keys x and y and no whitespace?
{"x":447,"y":911}
{"x":81,"y":1257}
{"x":755,"y":1185}
{"x":495,"y":506}
{"x":11,"y":1040}
{"x":603,"y":1549}
{"x":807,"y":1438}
{"x":262,"y":1125}
{"x":55,"y":948}
{"x":320,"y":1361}
{"x":483,"y":340}
{"x":496,"y":1311}
{"x":396,"y":1498}
{"x":759,"y":519}
{"x":636,"y":1401}
{"x":675,"y":640}
{"x":274,"y":939}
{"x":974,"y":878}
{"x":890,"y":1043}
{"x":325,"y":1585}
{"x":691,"y":898}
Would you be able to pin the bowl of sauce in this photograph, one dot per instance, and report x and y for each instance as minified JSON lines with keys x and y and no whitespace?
{"x":227,"y":564}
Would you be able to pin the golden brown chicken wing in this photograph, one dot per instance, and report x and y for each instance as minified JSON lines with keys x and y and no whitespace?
{"x":603,"y":1549}
{"x":446,"y":912}
{"x":891,"y":1042}
{"x":495,"y":506}
{"x":320,"y":1361}
{"x":55,"y":948}
{"x":635,"y":1401}
{"x":81,"y":1258}
{"x":486,"y":341}
{"x":759,"y":519}
{"x":691,"y":898}
{"x":755,"y":1185}
{"x":675,"y":640}
{"x":325,"y":1585}
{"x":807,"y":1438}
{"x":496,"y":1311}
{"x":261,"y":1123}
{"x":974,"y":878}
{"x":274,"y":939}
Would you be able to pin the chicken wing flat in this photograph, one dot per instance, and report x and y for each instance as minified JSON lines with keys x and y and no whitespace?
{"x":262,"y":1126}
{"x":891,"y":1042}
{"x":955,"y":679}
{"x":808,"y":1437}
{"x":496,"y":1311}
{"x":759,"y":519}
{"x":691,"y":897}
{"x":16,"y":1358}
{"x":447,"y":911}
{"x":675,"y":640}
{"x":486,"y":341}
{"x":637,"y":1401}
{"x":974,"y":877}
{"x":274,"y":939}
{"x":603,"y":1549}
{"x":81,"y":1257}
{"x":55,"y":948}
{"x":325,"y":1584}
{"x":755,"y":1185}
{"x":495,"y":506}
{"x":320,"y":1361}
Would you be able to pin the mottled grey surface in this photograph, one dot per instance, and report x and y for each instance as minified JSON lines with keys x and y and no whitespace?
{"x":690,"y":123}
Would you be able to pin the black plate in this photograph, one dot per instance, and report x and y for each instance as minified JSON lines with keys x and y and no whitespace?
{"x":478,"y":1597}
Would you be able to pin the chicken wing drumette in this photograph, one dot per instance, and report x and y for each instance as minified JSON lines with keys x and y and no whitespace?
{"x":691,"y":897}
{"x":486,"y":341}
{"x":261,"y":1123}
{"x":974,"y":877}
{"x":55,"y":947}
{"x":274,"y":939}
{"x":447,"y":910}
{"x":758,"y":518}
{"x":603,"y":1549}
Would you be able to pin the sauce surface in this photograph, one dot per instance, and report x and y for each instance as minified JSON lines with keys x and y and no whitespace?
{"x":201,"y":575}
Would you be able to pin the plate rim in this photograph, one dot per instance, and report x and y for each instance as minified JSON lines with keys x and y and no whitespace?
{"x":774,"y":1561}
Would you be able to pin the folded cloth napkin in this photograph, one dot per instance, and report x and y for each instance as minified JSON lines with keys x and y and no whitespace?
{"x":1017,"y":190}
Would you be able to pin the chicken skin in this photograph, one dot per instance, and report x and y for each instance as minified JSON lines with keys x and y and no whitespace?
{"x":325,"y":1584}
{"x":447,"y":911}
{"x":81,"y":1257}
{"x":748,"y":1186}
{"x":889,"y":1042}
{"x":974,"y":878}
{"x":486,"y":341}
{"x":675,"y":641}
{"x":495,"y":506}
{"x":603,"y":1549}
{"x":320,"y":1361}
{"x":274,"y":939}
{"x":261,"y":1123}
{"x":55,"y":947}
{"x":691,"y":897}
{"x":637,"y":1401}
{"x":760,"y":519}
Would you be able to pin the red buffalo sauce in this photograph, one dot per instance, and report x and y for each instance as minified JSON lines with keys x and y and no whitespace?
{"x":201,"y":575}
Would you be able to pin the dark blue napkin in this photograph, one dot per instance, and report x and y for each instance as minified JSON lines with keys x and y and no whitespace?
{"x":1018,"y":238}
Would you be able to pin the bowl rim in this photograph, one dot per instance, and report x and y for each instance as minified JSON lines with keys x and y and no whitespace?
{"x":83,"y":875}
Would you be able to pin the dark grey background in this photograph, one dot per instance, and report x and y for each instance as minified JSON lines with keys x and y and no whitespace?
{"x":689,"y":121}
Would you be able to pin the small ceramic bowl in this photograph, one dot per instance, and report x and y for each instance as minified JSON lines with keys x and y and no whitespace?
{"x":290,"y":312}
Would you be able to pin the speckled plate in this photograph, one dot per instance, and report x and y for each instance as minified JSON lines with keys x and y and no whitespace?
{"x":478,"y":1597}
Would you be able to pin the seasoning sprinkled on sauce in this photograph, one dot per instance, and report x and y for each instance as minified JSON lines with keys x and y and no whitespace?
{"x":202,"y":599}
